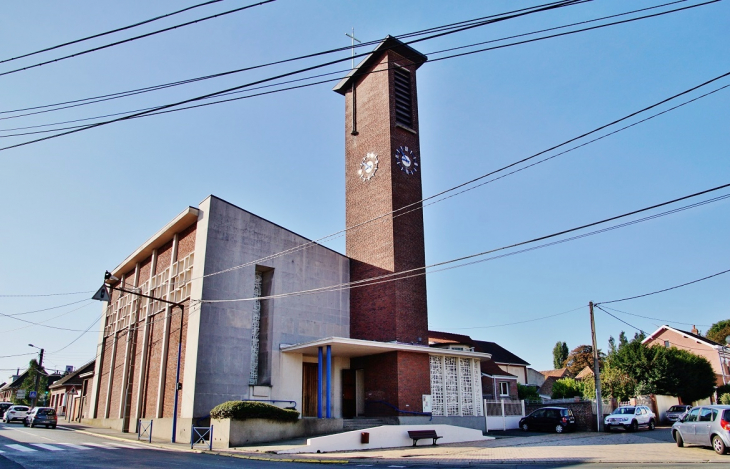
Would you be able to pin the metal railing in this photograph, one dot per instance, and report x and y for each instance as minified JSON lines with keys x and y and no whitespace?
{"x":144,"y":430}
{"x":199,"y":435}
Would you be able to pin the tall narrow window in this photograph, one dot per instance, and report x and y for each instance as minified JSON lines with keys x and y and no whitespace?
{"x":255,"y":323}
{"x":403,"y":101}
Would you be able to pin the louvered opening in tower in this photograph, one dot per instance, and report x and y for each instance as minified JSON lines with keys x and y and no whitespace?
{"x":403,"y":102}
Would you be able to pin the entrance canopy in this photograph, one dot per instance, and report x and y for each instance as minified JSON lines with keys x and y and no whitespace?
{"x":353,"y":348}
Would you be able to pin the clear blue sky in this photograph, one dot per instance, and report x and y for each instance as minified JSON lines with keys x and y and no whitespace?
{"x":77,"y":205}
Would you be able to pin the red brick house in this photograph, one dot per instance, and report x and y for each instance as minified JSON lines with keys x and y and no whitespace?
{"x":717,"y":354}
{"x":68,"y":394}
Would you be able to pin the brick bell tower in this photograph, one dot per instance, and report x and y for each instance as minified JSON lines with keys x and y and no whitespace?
{"x":382,"y":175}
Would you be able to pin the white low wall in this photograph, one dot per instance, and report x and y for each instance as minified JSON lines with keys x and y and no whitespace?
{"x":497,"y":422}
{"x":387,"y":436}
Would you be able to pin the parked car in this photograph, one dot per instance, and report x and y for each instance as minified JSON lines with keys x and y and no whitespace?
{"x":556,"y":419}
{"x":630,"y":418}
{"x":707,"y":426}
{"x":41,"y":416}
{"x":15,"y":412}
{"x":3,"y":407}
{"x":676,"y":411}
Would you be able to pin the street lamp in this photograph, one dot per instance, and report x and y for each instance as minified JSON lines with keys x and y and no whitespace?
{"x":38,"y":373}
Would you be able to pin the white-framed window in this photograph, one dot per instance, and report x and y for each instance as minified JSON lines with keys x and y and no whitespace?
{"x":667,"y":344}
{"x":503,"y":388}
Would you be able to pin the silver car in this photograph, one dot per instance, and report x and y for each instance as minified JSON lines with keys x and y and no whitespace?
{"x":707,"y":425}
{"x":676,"y":411}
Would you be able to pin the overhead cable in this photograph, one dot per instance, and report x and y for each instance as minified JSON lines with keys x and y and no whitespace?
{"x":124,"y":28}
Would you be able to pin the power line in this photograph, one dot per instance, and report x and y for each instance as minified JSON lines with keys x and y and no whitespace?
{"x":619,"y":319}
{"x":418,"y":204}
{"x":49,"y":319}
{"x":18,"y":355}
{"x":402,"y":274}
{"x":228,"y":90}
{"x":46,"y":309}
{"x":519,"y":322}
{"x":666,"y":321}
{"x":47,"y":294}
{"x":124,"y":28}
{"x":220,"y":74}
{"x":665,"y":289}
{"x":81,"y":127}
{"x":106,"y":46}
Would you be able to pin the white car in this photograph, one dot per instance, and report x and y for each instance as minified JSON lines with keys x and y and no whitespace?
{"x":630,"y":418}
{"x":16,"y":412}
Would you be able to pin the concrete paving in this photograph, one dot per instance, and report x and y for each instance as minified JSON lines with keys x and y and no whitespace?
{"x":643,"y":447}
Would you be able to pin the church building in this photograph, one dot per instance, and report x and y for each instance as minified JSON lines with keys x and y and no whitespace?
{"x":262,"y":313}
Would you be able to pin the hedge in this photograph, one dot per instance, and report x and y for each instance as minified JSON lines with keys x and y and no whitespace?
{"x":241,"y":410}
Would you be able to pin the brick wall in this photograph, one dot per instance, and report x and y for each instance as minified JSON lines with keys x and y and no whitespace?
{"x":585,"y":421}
{"x":392,"y":310}
{"x":155,"y":345}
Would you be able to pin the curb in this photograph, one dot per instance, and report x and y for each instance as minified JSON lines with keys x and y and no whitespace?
{"x":116,"y":438}
{"x":264,"y":458}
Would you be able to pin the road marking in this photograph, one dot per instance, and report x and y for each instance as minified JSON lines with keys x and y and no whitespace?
{"x":71,"y":445}
{"x":48,"y":447}
{"x":125,"y":446}
{"x":21,"y":448}
{"x":97,"y":445}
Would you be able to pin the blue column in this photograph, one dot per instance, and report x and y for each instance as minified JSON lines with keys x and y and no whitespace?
{"x":319,"y":383}
{"x":329,"y":380}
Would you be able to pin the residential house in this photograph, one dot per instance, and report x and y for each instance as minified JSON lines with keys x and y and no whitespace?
{"x":500,"y":374}
{"x":546,"y":389}
{"x":717,"y":354}
{"x":67,"y":394}
{"x":7,"y":392}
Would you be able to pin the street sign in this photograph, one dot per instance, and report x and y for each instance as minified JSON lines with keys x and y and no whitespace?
{"x":20,"y":394}
{"x":73,"y":391}
{"x":102,"y":294}
{"x":32,"y":395}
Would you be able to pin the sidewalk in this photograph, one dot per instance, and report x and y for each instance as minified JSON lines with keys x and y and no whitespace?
{"x":583,"y":447}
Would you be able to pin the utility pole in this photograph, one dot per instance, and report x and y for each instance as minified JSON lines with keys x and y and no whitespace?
{"x":38,"y":377}
{"x":597,"y":373}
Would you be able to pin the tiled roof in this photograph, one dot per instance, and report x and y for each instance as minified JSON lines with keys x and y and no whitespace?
{"x":697,"y":337}
{"x":491,"y":368}
{"x":499,"y":353}
{"x":560,"y":373}
{"x":585,"y":373}
{"x":73,"y":379}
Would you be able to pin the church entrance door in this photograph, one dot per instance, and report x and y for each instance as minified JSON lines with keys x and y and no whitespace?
{"x":309,"y":390}
{"x":349,"y":406}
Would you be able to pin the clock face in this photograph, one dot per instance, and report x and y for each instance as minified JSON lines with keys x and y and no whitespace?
{"x":368,"y":166}
{"x":406,"y":160}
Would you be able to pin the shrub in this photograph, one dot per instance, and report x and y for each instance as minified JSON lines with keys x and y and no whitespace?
{"x":528,"y":393}
{"x":567,"y":387}
{"x":725,"y":399}
{"x":241,"y":410}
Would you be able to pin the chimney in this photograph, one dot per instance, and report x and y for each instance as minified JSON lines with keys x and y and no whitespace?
{"x":694,"y":330}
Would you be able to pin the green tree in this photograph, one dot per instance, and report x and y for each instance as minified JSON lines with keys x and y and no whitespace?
{"x":611,"y":345}
{"x":622,"y":340}
{"x":581,"y":357}
{"x":28,"y":384}
{"x":567,"y":387}
{"x":719,"y":331}
{"x":661,"y":370}
{"x":560,"y":354}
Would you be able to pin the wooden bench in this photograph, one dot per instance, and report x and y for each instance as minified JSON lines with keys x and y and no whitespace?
{"x":423,"y":435}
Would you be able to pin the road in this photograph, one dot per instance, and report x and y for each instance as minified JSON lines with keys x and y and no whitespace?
{"x":36,"y":448}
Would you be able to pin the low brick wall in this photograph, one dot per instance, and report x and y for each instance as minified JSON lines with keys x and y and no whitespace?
{"x":585,"y":421}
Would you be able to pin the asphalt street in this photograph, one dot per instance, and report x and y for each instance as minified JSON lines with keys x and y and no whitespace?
{"x":32,"y":448}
